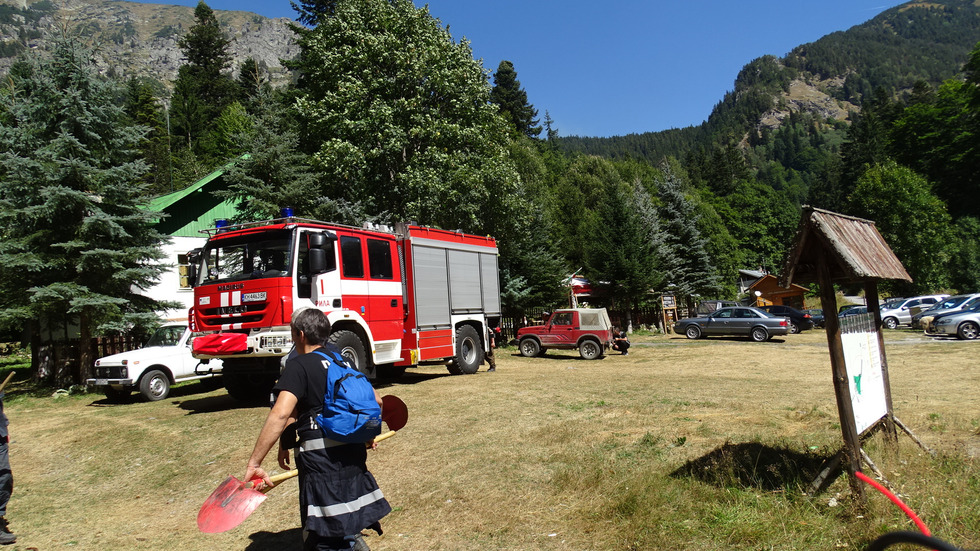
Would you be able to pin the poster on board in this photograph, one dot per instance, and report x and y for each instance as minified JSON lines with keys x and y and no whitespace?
{"x":862,"y":356}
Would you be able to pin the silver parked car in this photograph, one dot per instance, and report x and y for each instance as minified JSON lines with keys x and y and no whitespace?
{"x":965,"y":324}
{"x":952,"y":304}
{"x":741,"y":320}
{"x":897,"y":313}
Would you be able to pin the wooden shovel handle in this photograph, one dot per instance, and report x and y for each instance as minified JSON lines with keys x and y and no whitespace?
{"x":275,"y":480}
{"x":7,"y":380}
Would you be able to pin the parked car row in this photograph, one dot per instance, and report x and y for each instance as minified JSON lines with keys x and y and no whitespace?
{"x":964,"y":324}
{"x":954,"y":303}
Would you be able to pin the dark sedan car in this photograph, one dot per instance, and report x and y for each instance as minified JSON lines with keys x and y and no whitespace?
{"x":742,"y":320}
{"x":816,"y":314}
{"x":798,"y":320}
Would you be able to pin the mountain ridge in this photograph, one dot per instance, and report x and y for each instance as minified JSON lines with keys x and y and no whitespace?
{"x":136,"y":39}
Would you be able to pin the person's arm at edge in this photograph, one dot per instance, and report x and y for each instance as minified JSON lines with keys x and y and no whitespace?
{"x":275,"y":423}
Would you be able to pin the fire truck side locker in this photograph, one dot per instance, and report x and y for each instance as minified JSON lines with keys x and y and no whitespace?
{"x":447,"y":314}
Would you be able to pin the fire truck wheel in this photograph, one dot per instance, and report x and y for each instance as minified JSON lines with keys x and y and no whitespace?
{"x":352,"y":348}
{"x":469,"y":351}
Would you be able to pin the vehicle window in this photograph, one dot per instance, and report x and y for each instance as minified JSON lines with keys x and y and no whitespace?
{"x":166,"y":336}
{"x":252,"y":256}
{"x":723,"y":314}
{"x":929,"y":301}
{"x":745,"y":313}
{"x":351,"y":257}
{"x":379,"y":259}
{"x":562,"y":318}
{"x":770,"y":315}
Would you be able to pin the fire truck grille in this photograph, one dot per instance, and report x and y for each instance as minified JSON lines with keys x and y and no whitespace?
{"x":251,"y":313}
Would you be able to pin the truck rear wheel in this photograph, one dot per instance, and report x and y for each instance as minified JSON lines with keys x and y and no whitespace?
{"x":469,"y":352}
{"x":352,"y":348}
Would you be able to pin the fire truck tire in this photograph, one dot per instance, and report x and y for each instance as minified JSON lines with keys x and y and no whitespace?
{"x":469,"y":352}
{"x":352,"y":348}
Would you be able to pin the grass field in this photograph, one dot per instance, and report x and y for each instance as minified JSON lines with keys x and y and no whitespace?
{"x":682,"y":444}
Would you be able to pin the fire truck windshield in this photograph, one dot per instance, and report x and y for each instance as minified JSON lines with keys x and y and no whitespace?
{"x":252,"y":256}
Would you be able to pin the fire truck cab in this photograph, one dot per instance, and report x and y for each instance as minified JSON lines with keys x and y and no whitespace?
{"x":395,"y":298}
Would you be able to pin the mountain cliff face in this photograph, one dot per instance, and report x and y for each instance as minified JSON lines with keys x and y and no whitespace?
{"x":135,"y":39}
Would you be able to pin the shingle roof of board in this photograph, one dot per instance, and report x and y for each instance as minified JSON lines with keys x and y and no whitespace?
{"x":852,"y":247}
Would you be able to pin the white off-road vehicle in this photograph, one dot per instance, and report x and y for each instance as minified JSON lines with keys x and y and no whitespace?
{"x":165,"y":360}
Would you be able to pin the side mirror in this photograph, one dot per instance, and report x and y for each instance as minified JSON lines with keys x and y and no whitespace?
{"x":318,"y":261}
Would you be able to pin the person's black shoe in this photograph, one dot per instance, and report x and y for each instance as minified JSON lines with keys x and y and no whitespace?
{"x":6,"y":536}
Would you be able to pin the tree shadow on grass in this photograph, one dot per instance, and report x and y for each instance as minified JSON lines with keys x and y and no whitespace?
{"x":287,"y":540}
{"x":218,"y":402}
{"x":754,"y":465}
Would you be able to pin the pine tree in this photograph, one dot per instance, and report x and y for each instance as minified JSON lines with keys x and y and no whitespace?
{"x":204,"y":85}
{"x":626,"y":246}
{"x":687,"y":266}
{"x":512,"y":100}
{"x":76,"y":244}
{"x":143,"y":110}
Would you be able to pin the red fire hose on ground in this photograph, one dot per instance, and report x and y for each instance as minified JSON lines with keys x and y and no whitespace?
{"x":925,"y":539}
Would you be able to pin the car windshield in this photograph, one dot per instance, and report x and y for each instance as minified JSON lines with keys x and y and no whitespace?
{"x":251,"y":256}
{"x":892,"y":304}
{"x":166,"y":336}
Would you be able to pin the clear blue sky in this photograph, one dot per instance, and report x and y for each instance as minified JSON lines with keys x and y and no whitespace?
{"x":625,"y":66}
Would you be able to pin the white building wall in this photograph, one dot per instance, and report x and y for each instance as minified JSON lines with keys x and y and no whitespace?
{"x":168,"y":287}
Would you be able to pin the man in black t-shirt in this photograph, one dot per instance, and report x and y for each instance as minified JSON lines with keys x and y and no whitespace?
{"x":338,"y":496}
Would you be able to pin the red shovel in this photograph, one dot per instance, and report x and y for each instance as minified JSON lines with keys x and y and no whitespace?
{"x":233,"y":500}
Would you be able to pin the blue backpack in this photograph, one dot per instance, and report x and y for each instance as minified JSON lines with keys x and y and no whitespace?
{"x":350,"y":411}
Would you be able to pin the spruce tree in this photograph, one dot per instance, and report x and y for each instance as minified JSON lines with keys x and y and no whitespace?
{"x":512,"y":100}
{"x":204,"y":85}
{"x":688,"y":269}
{"x":143,"y":110}
{"x":76,"y":245}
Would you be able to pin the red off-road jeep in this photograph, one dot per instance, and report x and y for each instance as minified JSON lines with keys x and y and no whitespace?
{"x":587,"y":329}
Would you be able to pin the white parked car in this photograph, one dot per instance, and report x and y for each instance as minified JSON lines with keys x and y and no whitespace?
{"x":166,"y":359}
{"x":898,"y":313}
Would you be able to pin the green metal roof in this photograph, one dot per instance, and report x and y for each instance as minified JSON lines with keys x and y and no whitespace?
{"x":195,"y":207}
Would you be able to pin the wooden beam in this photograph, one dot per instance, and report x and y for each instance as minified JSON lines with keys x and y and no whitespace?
{"x":845,"y":410}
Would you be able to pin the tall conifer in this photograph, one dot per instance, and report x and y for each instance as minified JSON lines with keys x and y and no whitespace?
{"x":76,"y":245}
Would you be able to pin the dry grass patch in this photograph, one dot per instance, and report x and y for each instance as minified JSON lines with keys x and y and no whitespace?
{"x":682,"y":445}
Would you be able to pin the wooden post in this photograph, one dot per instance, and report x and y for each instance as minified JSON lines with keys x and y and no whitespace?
{"x":871,"y":299}
{"x":845,"y":410}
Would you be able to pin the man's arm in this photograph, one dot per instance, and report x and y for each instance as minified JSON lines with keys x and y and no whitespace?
{"x":275,"y":423}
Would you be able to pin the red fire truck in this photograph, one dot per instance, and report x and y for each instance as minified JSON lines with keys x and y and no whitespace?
{"x":395,"y":298}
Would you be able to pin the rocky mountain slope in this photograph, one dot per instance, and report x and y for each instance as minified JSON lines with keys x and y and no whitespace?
{"x":135,"y":39}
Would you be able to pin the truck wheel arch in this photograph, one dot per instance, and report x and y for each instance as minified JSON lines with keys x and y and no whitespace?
{"x":350,"y":340}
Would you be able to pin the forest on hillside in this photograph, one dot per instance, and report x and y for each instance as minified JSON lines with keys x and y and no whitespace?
{"x":389,"y":120}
